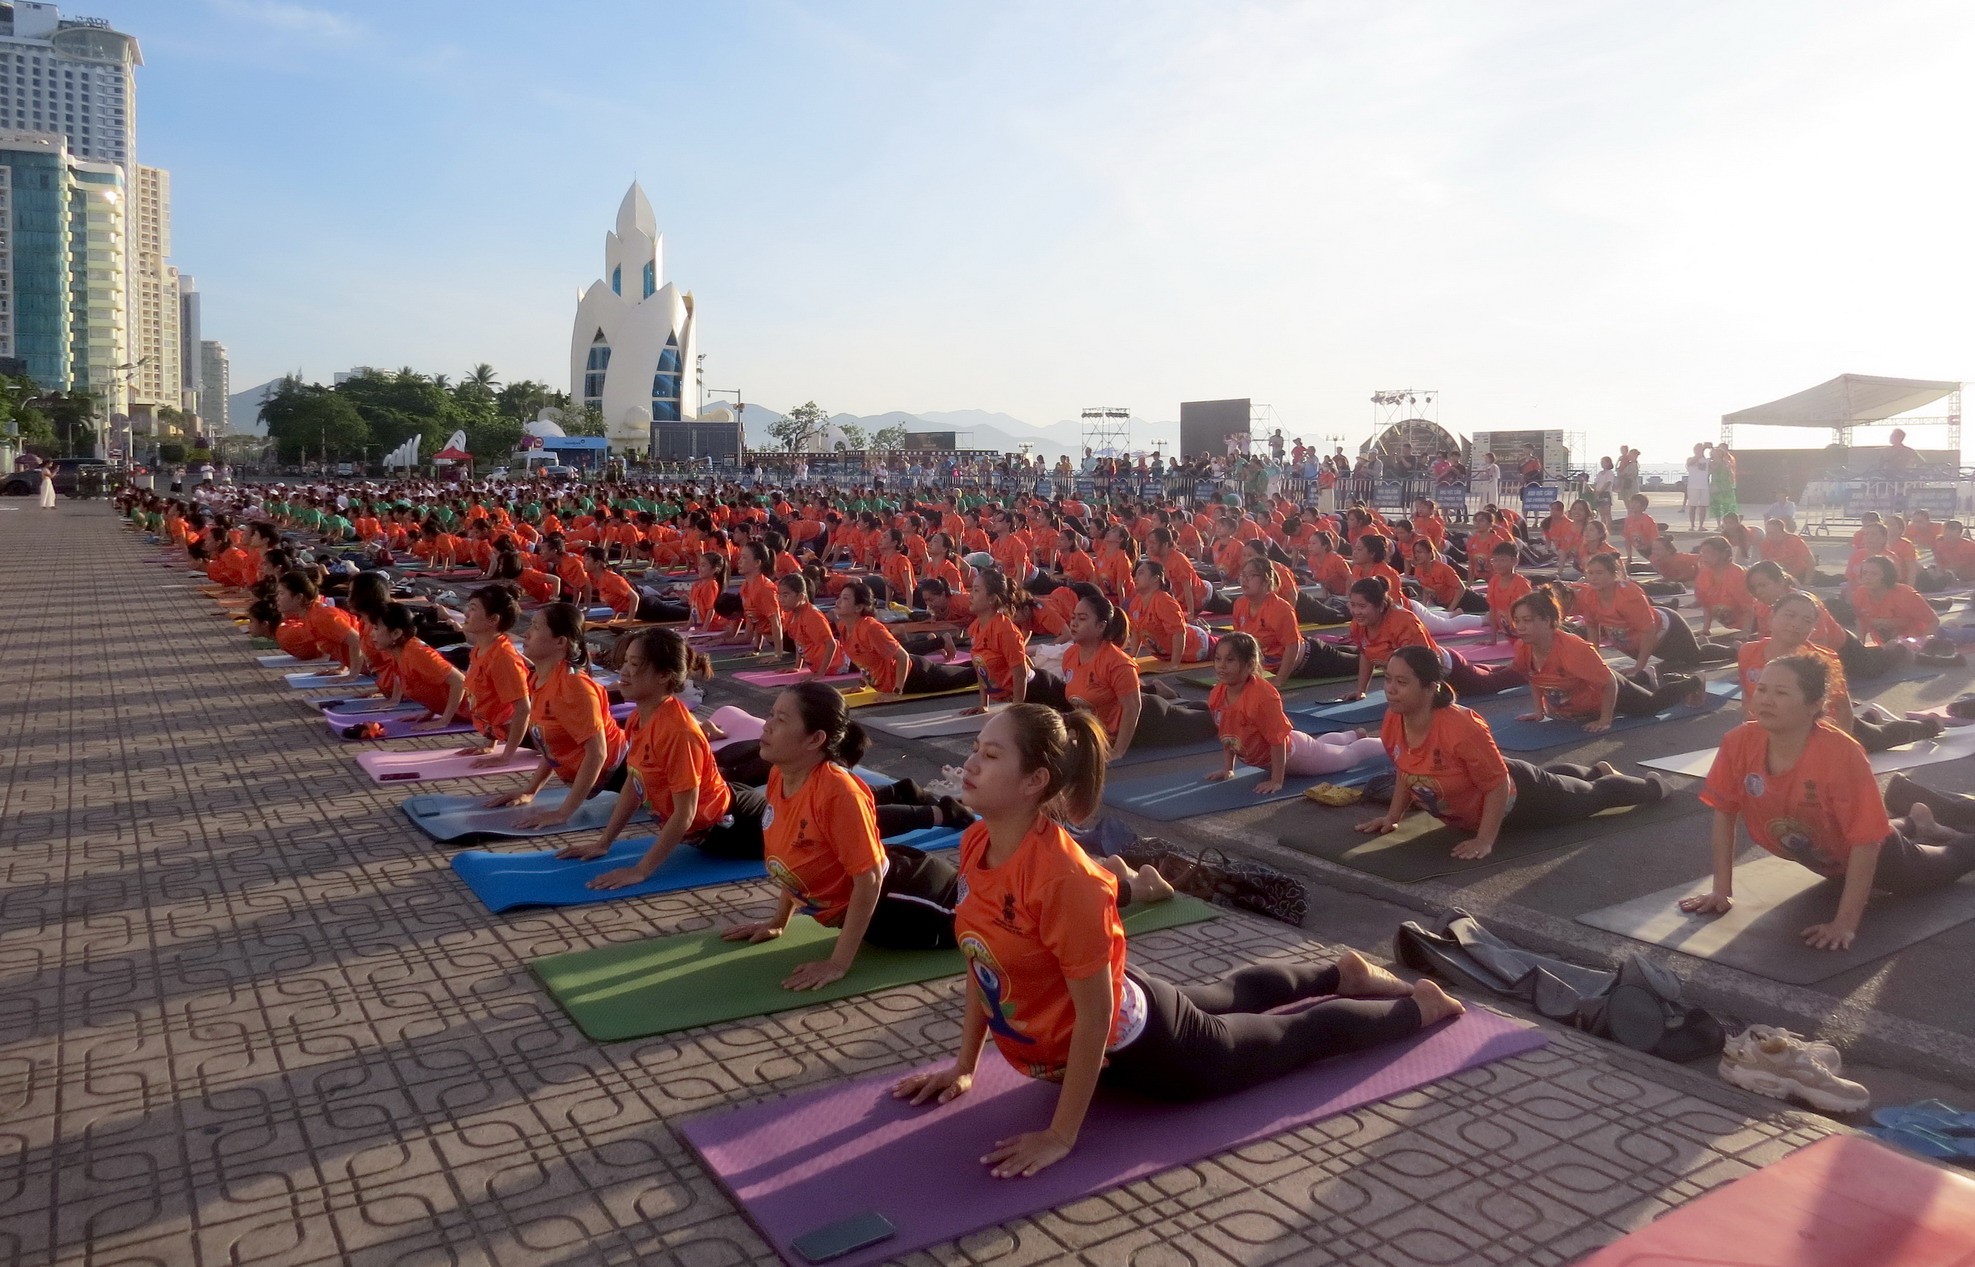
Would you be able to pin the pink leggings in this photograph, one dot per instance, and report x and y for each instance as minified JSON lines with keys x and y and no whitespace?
{"x":1327,"y":754}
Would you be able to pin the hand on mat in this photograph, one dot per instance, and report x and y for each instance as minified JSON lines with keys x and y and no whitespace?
{"x":1832,"y":936}
{"x":488,"y":758}
{"x":621,"y":878}
{"x":754,"y":934}
{"x":506,"y":799}
{"x":814,"y":976}
{"x":541,"y":816}
{"x":1219,"y":776}
{"x":1469,"y":850}
{"x":1529,"y":717}
{"x":1352,"y":698}
{"x":1027,"y":1153}
{"x":427,"y":722}
{"x":1268,"y":787}
{"x":975,"y":711}
{"x":1597,"y":727}
{"x":936,"y":1087}
{"x":1707,"y":904}
{"x":471,"y":750}
{"x":1377,"y":826}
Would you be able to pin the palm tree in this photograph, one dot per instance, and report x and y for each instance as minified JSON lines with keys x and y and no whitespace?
{"x":483,"y":375}
{"x":406,"y":374}
{"x":442,"y":381}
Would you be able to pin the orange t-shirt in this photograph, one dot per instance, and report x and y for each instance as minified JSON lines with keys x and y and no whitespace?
{"x":1451,"y":773}
{"x":1724,"y":593}
{"x":1273,"y":624}
{"x":539,"y":586}
{"x":1790,"y":552}
{"x":1027,"y":928}
{"x":425,"y":673}
{"x":575,"y":578}
{"x":1442,"y":583}
{"x":1252,"y":722}
{"x":1641,"y":530}
{"x":569,"y":708}
{"x":1504,"y":592}
{"x":669,"y":754}
{"x":809,"y":629}
{"x":874,"y":651}
{"x":331,"y":628}
{"x":1572,"y":680}
{"x":1164,"y":625}
{"x":383,"y":669}
{"x":1393,"y":588}
{"x":700,"y":598}
{"x":1011,"y":555}
{"x":293,"y":636}
{"x":759,"y":603}
{"x":1332,"y":572}
{"x":820,"y":840}
{"x":1827,"y":632}
{"x":618,"y":593}
{"x":1396,"y":628}
{"x":1624,"y":619}
{"x":1100,"y":679}
{"x":1078,"y":566}
{"x":1816,"y":812}
{"x":496,"y":681}
{"x":1899,"y":612}
{"x":1000,"y":652}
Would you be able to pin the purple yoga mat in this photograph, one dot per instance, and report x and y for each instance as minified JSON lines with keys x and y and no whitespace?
{"x":424,"y":766}
{"x":400,"y":727}
{"x":806,"y":1161}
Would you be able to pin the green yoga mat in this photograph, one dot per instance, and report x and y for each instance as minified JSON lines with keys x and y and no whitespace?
{"x":1421,"y":847}
{"x":668,"y":984}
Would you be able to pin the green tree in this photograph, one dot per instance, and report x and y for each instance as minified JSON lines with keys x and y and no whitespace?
{"x":308,"y":420}
{"x":853,"y":437}
{"x":583,"y":420}
{"x":482,"y":375}
{"x":889,"y":438}
{"x":74,"y":417}
{"x":37,"y":432}
{"x":399,"y":406}
{"x":798,"y":427}
{"x":524,"y":400}
{"x":171,"y":451}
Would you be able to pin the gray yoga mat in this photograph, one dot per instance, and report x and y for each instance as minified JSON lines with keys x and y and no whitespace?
{"x":1949,"y":746}
{"x":1775,"y":900}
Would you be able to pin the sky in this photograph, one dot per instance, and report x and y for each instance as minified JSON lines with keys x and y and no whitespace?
{"x":1618,"y":219}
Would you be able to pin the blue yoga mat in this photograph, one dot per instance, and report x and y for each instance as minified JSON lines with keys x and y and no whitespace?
{"x":1512,"y":735}
{"x":506,"y":881}
{"x":447,"y":818}
{"x":316,"y":682}
{"x":1163,"y":800}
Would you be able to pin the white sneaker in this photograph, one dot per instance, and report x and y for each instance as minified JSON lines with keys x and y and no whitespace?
{"x":948,"y":783}
{"x":1827,"y":1055}
{"x":1779,"y":1064}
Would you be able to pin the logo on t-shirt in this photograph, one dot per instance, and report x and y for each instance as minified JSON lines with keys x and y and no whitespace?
{"x":767,"y":818}
{"x":993,"y":985}
{"x":1754,"y":784}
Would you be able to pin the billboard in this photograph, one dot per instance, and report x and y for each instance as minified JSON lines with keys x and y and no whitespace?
{"x":945,"y":441}
{"x":1511,"y":447}
{"x":1205,"y":426}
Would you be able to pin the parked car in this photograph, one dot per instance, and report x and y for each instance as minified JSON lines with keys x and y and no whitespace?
{"x":560,"y":472}
{"x":498,"y":473}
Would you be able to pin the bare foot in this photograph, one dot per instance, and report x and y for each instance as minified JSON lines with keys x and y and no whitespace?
{"x":1161,"y":689}
{"x":1925,"y":826}
{"x":1435,"y":1004}
{"x":1604,"y":769}
{"x":1359,"y":978}
{"x":1149,"y":886}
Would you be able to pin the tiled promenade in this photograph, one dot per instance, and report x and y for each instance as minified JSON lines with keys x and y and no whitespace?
{"x":247,"y":1015}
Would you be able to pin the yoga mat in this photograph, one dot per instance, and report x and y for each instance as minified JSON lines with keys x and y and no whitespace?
{"x":1419,"y":848}
{"x":398,"y":726}
{"x":1775,"y":900}
{"x":1295,"y":684}
{"x":1166,"y":799}
{"x":449,"y":818}
{"x":1514,"y":735}
{"x":778,"y":678}
{"x":505,"y":881}
{"x":666,"y":984}
{"x":930,"y":725}
{"x":1948,"y":746}
{"x":437,"y":763}
{"x":1142,"y":755}
{"x":865,"y":697}
{"x":351,"y":712}
{"x":328,"y":681}
{"x":802,"y":1162}
{"x":286,"y":661}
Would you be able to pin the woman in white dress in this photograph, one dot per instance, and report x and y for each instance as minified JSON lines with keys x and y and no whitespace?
{"x":47,"y":489}
{"x":1696,"y":499}
{"x":1488,"y":481}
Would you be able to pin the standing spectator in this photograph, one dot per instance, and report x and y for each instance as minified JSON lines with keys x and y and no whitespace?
{"x":1275,"y":445}
{"x":1722,"y":499}
{"x":1487,"y":482}
{"x":1601,"y":488}
{"x":1696,"y":498}
{"x":1532,"y":468}
{"x":1628,"y":476}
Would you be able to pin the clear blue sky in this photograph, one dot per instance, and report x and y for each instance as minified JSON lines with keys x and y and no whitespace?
{"x":1619,"y":218}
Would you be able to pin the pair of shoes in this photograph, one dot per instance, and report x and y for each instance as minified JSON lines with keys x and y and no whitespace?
{"x":1780,"y":1064}
{"x":948,"y":783}
{"x":1331,"y":794}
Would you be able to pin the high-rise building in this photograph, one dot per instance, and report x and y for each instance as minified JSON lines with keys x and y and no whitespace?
{"x":63,"y":266}
{"x":215,"y":386}
{"x":154,"y":341}
{"x":632,"y":349}
{"x":191,"y":377}
{"x":72,"y":76}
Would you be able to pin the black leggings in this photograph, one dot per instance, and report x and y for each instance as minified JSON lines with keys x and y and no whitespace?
{"x":1320,"y":660}
{"x":1662,"y":589}
{"x":1468,"y":678}
{"x":652,"y":607}
{"x":738,"y":835}
{"x":1161,"y":722}
{"x":1878,"y":736}
{"x":916,"y":903}
{"x":1550,"y":795}
{"x":1219,"y":604}
{"x":1678,"y":648}
{"x":1635,"y":700}
{"x":1311,"y":610}
{"x":927,"y":678}
{"x":1909,"y":866}
{"x":1202,"y":1041}
{"x":1863,"y":663}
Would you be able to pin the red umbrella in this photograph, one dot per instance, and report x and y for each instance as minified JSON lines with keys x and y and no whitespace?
{"x":452,"y":455}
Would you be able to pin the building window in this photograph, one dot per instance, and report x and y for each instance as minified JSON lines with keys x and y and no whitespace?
{"x":617,"y":280}
{"x":651,"y":278}
{"x":665,"y":383}
{"x":593,"y":370}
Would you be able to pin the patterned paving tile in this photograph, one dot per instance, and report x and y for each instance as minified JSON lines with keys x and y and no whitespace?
{"x":247,"y":1016}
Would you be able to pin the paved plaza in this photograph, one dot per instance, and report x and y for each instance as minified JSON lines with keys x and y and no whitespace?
{"x":250,"y":1016}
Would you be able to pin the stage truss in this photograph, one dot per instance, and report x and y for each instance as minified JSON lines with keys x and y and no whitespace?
{"x":1107,"y":430}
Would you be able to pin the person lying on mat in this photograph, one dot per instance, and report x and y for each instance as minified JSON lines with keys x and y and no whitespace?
{"x":888,"y":668}
{"x":1158,"y":622}
{"x":1614,"y":609}
{"x":817,"y":651}
{"x":672,"y":764}
{"x":761,"y":609}
{"x":496,"y":676}
{"x":1805,"y":791}
{"x":1450,"y":767}
{"x":1570,"y":681}
{"x":330,"y":631}
{"x":1000,"y":651}
{"x":418,"y":672}
{"x":1887,"y":611}
{"x":1254,"y":730}
{"x":1048,"y":972}
{"x":1793,"y":623}
{"x":1381,"y":623}
{"x":581,"y":743}
{"x":1100,"y":677}
{"x":370,"y":594}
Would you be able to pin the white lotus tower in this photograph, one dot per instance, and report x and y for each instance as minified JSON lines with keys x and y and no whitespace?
{"x":634,"y":344}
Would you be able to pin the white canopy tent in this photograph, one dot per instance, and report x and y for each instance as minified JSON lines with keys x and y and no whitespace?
{"x":1852,"y":400}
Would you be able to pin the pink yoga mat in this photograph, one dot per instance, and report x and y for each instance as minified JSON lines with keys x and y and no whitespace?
{"x":437,"y":763}
{"x":806,"y":1161}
